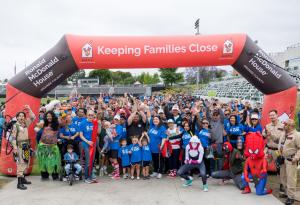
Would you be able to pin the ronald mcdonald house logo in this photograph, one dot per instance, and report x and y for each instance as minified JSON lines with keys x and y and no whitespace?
{"x":87,"y":51}
{"x":228,"y":47}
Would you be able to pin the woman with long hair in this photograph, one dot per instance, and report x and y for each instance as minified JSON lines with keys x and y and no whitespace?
{"x":157,"y":135}
{"x":48,"y":154}
{"x":234,"y":131}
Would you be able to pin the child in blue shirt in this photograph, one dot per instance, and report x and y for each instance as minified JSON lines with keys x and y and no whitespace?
{"x":71,"y":156}
{"x":136,"y":157}
{"x":124,"y":156}
{"x":146,"y":154}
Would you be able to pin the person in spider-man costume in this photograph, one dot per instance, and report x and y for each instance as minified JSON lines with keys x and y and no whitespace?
{"x":255,"y":168}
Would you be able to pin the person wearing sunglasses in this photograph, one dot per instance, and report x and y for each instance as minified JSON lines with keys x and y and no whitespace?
{"x":235,"y":131}
{"x":85,"y":133}
{"x":254,"y":125}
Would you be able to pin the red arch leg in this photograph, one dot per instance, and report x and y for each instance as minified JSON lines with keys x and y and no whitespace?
{"x":16,"y":100}
{"x":284,"y":102}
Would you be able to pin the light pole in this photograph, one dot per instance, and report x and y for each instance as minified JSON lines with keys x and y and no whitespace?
{"x":197,"y":33}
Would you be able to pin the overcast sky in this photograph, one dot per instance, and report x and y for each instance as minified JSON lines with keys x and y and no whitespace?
{"x":30,"y":27}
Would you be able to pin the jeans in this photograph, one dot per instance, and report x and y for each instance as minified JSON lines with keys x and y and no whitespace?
{"x":76,"y":166}
{"x":226,"y":174}
{"x":184,"y":170}
{"x":88,"y":166}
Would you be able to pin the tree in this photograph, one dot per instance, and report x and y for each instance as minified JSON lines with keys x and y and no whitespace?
{"x":170,"y":76}
{"x":104,"y":76}
{"x":124,"y":78}
{"x":206,"y":74}
{"x":147,"y":78}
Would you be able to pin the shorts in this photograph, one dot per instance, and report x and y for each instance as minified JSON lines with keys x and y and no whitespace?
{"x":146,"y":163}
{"x":113,"y":153}
{"x":125,"y":167}
{"x":135,"y":163}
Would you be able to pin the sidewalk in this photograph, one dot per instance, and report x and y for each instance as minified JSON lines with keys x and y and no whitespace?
{"x":165,"y":191}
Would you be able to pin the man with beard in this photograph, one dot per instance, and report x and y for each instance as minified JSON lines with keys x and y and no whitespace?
{"x":136,"y":125}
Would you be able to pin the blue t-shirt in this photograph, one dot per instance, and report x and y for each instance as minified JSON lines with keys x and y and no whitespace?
{"x":106,"y":99}
{"x":86,"y":127}
{"x":71,"y":157}
{"x":78,"y":120}
{"x":204,"y":136}
{"x":115,"y":144}
{"x":186,"y":136}
{"x":257,"y":128}
{"x":136,"y":153}
{"x":123,"y":154}
{"x":69,"y":131}
{"x":226,"y":123}
{"x":235,"y":131}
{"x":121,"y":131}
{"x":156,"y":134}
{"x":146,"y":153}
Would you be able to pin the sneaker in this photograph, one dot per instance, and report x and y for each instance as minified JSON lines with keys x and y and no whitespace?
{"x":205,"y":188}
{"x":88,"y":181}
{"x":116,"y":177}
{"x":172,"y":174}
{"x":154,"y":174}
{"x":105,"y":171}
{"x":159,"y":176}
{"x":188,"y":183}
{"x":125,"y":176}
{"x":132,"y":177}
{"x":93,"y":177}
{"x":137,"y":178}
{"x":148,"y":177}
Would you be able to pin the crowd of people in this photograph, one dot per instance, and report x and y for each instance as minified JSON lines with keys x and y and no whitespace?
{"x":157,"y":136}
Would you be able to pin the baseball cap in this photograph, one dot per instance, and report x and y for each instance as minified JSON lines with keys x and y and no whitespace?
{"x":254,"y":116}
{"x":160,"y":111}
{"x":175,"y":107}
{"x":170,"y":121}
{"x":117,"y":117}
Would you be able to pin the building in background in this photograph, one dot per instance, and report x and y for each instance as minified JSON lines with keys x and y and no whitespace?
{"x":87,"y":82}
{"x":289,"y":60}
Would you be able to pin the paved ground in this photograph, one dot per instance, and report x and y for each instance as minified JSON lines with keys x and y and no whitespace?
{"x":108,"y":192}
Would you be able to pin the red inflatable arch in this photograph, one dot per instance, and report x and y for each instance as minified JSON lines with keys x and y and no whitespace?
{"x":73,"y":53}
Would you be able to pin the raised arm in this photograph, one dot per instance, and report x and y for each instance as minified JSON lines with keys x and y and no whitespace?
{"x":31,"y":115}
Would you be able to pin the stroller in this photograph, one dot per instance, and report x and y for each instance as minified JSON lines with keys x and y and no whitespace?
{"x":72,"y":177}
